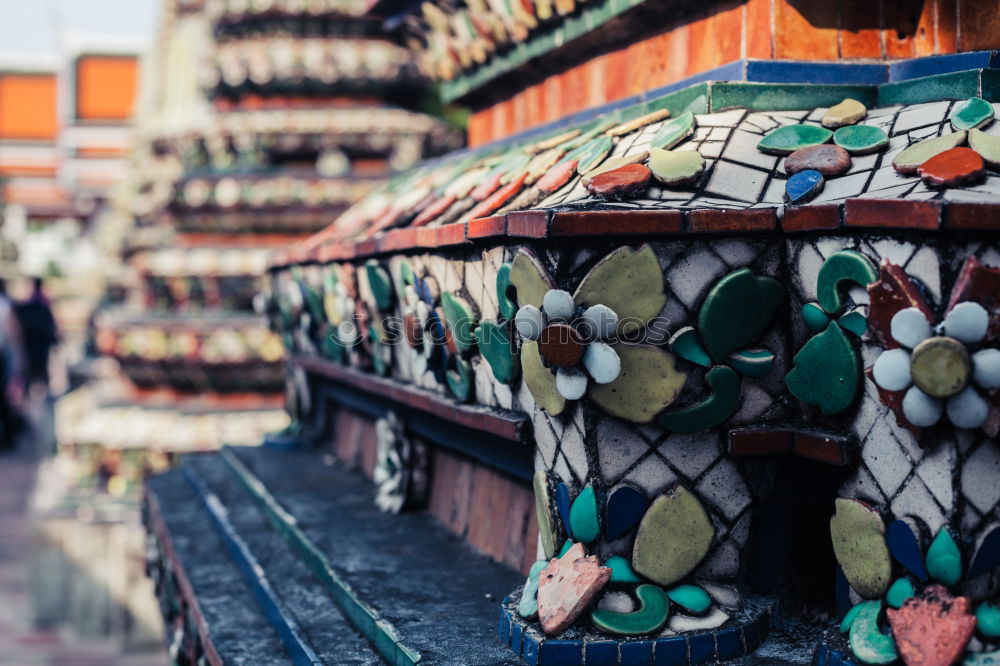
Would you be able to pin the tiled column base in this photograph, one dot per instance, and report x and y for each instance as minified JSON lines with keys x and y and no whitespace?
{"x":730,"y":641}
{"x":828,"y":656}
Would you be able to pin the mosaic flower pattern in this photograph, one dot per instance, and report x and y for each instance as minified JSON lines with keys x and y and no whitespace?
{"x":573,"y":345}
{"x":938,"y":368}
{"x":935,"y":373}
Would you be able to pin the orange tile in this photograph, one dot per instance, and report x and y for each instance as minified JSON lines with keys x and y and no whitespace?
{"x":946,"y":26}
{"x":615,"y":82}
{"x":811,"y":35}
{"x":595,"y":81}
{"x":676,"y":55}
{"x":728,"y":28}
{"x":924,"y":38}
{"x":979,"y":24}
{"x":701,"y":46}
{"x":758,"y":29}
{"x":860,"y":36}
{"x":899,"y":26}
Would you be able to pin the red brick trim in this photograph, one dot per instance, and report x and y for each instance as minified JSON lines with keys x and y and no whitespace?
{"x":488,"y":227}
{"x":972,"y":216}
{"x":854,"y":213}
{"x":892,"y":214}
{"x":528,"y":224}
{"x":811,"y":218}
{"x":615,"y":223}
{"x":713,"y":220}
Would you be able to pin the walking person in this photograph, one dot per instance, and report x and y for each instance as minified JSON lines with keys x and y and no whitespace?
{"x":11,"y":368}
{"x":38,"y":333}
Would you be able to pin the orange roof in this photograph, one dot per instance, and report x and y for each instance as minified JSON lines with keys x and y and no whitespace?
{"x":106,"y":86}
{"x":28,"y":106}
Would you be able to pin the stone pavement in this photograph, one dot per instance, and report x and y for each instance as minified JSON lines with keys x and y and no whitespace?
{"x":21,"y":643}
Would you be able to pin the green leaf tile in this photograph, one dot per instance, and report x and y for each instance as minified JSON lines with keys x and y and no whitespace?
{"x":583,"y":520}
{"x":751,"y":362}
{"x":507,"y":304}
{"x":899,"y":592}
{"x":737,"y":309}
{"x":867,"y":641}
{"x":787,"y":139}
{"x":943,"y":559}
{"x":826,"y":371}
{"x":973,"y":113}
{"x":685,"y":343}
{"x":673,"y":537}
{"x":861,"y":139}
{"x":652,"y":614}
{"x":713,"y":410}
{"x":690,"y":597}
{"x":846,"y":266}
{"x":858,"y":535}
{"x":674,"y":131}
{"x":495,"y":345}
{"x":621,"y":570}
{"x":461,"y":320}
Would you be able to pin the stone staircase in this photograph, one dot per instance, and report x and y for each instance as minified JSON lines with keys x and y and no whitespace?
{"x":269,"y":556}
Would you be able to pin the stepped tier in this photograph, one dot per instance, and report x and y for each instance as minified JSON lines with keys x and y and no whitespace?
{"x":204,"y":351}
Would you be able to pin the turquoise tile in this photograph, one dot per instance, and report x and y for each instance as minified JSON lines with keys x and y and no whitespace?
{"x":787,"y":96}
{"x":990,"y":85}
{"x":957,"y":85}
{"x":693,"y":99}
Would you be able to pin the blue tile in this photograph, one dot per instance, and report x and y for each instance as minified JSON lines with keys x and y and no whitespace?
{"x":701,"y":648}
{"x":636,"y":653}
{"x":904,"y":546}
{"x":503,"y":628}
{"x":560,"y":653}
{"x":781,"y":71}
{"x":516,"y":637}
{"x":988,"y":556}
{"x":529,"y":650}
{"x":671,"y":651}
{"x":914,"y":68}
{"x":821,"y":656}
{"x":602,"y":653}
{"x":730,"y":643}
{"x":563,"y":505}
{"x":835,"y":659}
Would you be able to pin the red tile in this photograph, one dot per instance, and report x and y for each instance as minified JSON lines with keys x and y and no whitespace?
{"x":450,"y":234}
{"x":486,"y":227}
{"x":616,"y":223}
{"x":366,"y":248}
{"x":823,"y":448}
{"x":810,"y":218}
{"x":711,"y":220}
{"x":984,"y":216}
{"x":397,"y":239}
{"x":892,"y":214}
{"x":427,"y":237}
{"x":753,"y":442}
{"x":528,"y":224}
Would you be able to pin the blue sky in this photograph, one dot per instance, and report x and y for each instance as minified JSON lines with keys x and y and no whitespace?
{"x":32,"y":26}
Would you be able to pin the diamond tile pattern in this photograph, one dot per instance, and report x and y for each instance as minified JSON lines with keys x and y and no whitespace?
{"x":740,"y":176}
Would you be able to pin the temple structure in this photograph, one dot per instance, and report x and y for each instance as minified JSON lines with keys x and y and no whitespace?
{"x":692,"y":356}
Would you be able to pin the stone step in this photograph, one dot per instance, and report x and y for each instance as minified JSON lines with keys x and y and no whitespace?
{"x":311,"y":625}
{"x":231,"y":626}
{"x":404,"y":581}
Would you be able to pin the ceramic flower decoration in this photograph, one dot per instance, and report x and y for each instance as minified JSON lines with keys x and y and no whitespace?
{"x":827,"y":369}
{"x":931,"y":373}
{"x":439,"y":329}
{"x":918,"y":587}
{"x":572,"y":345}
{"x":737,"y":309}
